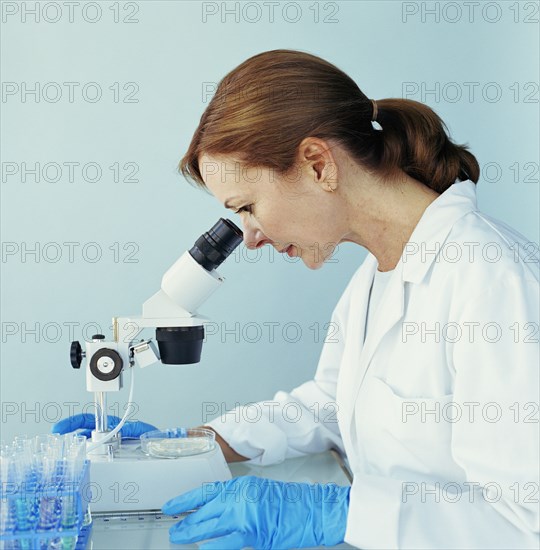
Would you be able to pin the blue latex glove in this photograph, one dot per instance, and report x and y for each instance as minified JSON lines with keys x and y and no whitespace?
{"x":87,"y":422}
{"x":261,"y":513}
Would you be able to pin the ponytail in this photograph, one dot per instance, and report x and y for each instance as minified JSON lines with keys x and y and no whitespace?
{"x":415,"y":140}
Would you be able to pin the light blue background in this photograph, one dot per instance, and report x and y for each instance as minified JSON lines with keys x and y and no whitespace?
{"x":170,"y":53}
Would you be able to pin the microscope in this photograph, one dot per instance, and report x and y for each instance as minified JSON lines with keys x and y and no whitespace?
{"x":123,"y":478}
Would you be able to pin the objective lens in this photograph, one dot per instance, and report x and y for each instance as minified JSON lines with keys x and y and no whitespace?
{"x":180,"y":345}
{"x":212,"y":248}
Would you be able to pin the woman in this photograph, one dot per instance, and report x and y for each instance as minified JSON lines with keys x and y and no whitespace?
{"x":435,"y":368}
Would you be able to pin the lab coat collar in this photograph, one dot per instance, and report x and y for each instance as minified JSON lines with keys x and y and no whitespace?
{"x":430,"y":232}
{"x":432,"y":228}
{"x":420,"y":252}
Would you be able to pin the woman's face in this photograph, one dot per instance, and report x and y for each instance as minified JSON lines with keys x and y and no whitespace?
{"x":295,"y":210}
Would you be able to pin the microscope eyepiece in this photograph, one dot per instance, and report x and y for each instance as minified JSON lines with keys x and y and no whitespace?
{"x":212,"y":248}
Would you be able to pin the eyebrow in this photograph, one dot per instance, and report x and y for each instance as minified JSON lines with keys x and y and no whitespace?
{"x":227,"y":202}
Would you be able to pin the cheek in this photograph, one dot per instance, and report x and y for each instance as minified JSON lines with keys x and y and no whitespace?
{"x":297,"y":221}
{"x":275,"y":223}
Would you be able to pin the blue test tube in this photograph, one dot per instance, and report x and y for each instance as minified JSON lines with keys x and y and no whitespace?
{"x":8,"y":521}
{"x":74,"y":462}
{"x":24,"y":478}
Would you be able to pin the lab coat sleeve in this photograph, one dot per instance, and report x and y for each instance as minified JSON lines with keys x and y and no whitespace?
{"x":294,"y":423}
{"x":495,"y":442}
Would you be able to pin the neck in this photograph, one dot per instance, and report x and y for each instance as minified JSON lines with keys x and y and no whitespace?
{"x":383,"y":216}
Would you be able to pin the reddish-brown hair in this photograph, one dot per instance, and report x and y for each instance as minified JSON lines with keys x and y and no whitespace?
{"x":265,"y":107}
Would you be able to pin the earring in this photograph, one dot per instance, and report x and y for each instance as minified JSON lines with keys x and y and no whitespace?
{"x":330,"y":189}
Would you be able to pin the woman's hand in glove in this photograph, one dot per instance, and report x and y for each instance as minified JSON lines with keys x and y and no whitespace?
{"x":87,"y":422}
{"x":261,"y":513}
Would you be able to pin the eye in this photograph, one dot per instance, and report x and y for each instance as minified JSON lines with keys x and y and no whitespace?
{"x":244,"y":209}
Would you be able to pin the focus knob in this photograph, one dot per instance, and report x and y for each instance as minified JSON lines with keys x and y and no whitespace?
{"x":75,"y":355}
{"x":106,"y":364}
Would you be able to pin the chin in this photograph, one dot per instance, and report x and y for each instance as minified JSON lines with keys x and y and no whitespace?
{"x":313,"y":265}
{"x":312,"y":260}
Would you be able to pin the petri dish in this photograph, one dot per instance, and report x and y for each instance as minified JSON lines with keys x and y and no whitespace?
{"x":177,"y":442}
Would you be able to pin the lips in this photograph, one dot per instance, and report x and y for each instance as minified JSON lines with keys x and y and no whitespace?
{"x":287,"y":250}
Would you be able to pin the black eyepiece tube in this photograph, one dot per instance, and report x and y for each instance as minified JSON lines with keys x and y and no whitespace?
{"x":212,"y":248}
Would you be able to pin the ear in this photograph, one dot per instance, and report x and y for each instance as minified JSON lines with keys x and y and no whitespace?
{"x":316,"y":158}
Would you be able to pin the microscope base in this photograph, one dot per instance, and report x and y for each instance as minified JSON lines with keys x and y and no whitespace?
{"x":133,"y":481}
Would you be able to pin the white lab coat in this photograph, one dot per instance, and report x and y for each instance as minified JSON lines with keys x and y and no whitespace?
{"x":452,"y":336}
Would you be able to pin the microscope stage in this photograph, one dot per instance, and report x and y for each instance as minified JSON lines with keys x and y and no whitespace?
{"x":133,"y":481}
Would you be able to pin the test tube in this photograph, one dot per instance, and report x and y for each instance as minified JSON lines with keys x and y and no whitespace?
{"x":74,"y":462}
{"x":48,"y":516}
{"x":8,"y":521}
{"x":23,"y":503}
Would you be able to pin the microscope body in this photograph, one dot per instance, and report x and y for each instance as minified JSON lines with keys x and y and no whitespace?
{"x":123,"y":478}
{"x":172,"y":312}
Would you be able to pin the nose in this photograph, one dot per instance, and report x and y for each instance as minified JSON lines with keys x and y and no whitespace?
{"x":254,"y":238}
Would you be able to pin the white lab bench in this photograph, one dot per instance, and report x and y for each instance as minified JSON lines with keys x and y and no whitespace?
{"x":150,"y":531}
